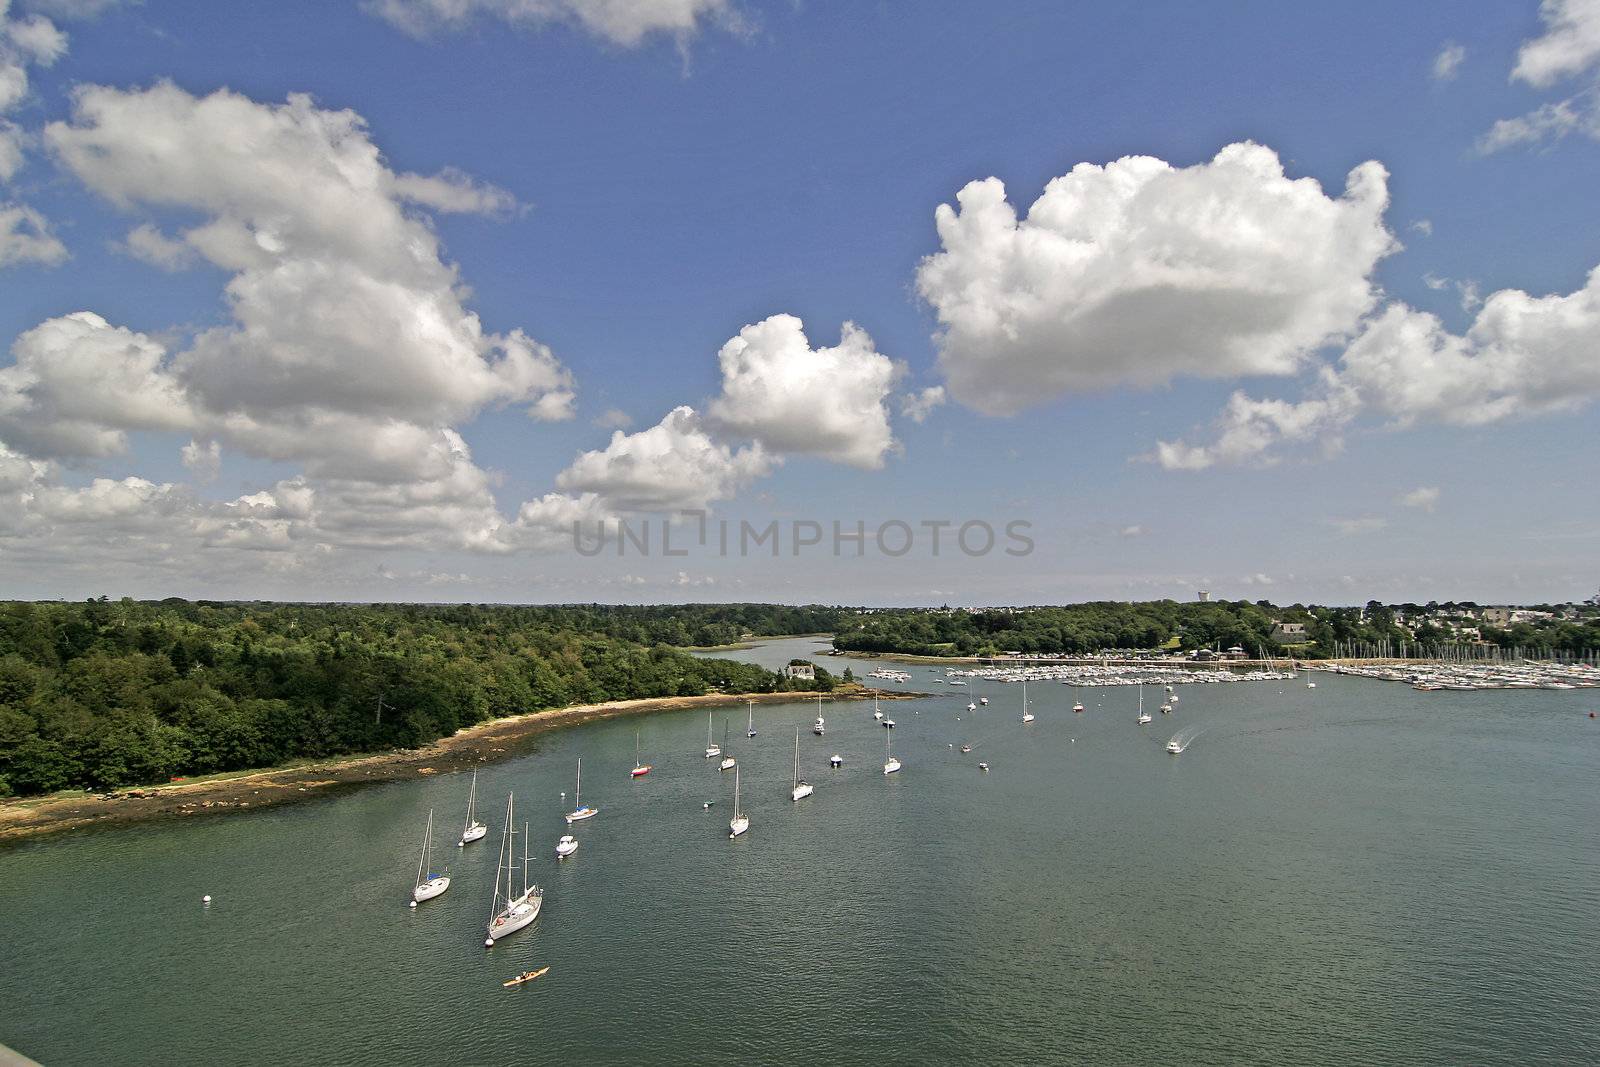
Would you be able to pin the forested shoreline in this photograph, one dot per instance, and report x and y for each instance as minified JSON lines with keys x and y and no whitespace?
{"x":105,"y":693}
{"x":1181,"y":626}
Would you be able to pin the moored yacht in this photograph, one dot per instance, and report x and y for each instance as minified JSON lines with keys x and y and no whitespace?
{"x":580,"y":810}
{"x":801,"y":788}
{"x":511,"y":911}
{"x":740,"y":822}
{"x":566,"y":846}
{"x":474,"y":829}
{"x":429,"y":885}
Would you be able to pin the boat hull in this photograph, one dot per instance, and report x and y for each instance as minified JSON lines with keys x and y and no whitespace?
{"x":516,"y":915}
{"x":519,"y":913}
{"x":473,"y":833}
{"x":891,"y":767}
{"x":738,"y":826}
{"x":581,"y":814}
{"x":800,"y":792}
{"x":433,"y":887}
{"x":640,"y":772}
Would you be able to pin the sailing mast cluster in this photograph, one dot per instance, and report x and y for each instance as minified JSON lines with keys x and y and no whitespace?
{"x":518,"y":900}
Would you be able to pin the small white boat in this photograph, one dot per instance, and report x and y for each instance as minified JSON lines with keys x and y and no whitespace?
{"x":835,"y":760}
{"x":727,"y":763}
{"x":750,"y":727}
{"x":510,"y":913}
{"x":740,"y":822}
{"x":474,"y":829}
{"x":1144,"y":716}
{"x":983,"y":767}
{"x":972,"y":707}
{"x":1166,"y":709}
{"x":890,"y":764}
{"x":712,"y":748}
{"x":581,"y":810}
{"x":566,"y":846}
{"x":821,"y":724}
{"x":801,"y":788}
{"x":1173,"y":746}
{"x":429,"y":885}
{"x":1027,"y":716}
{"x":1078,"y":708}
{"x":984,"y":701}
{"x":888,"y":724}
{"x":1311,"y":685}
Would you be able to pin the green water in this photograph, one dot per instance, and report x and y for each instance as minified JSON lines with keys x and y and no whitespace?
{"x":1354,"y":874}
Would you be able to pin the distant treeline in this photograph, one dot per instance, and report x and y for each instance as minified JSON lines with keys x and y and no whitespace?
{"x":1103,"y":625}
{"x":112,"y":693}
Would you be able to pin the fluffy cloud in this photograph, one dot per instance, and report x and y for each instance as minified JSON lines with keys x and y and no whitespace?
{"x":1570,"y":45}
{"x":1522,"y":356}
{"x":918,"y":406}
{"x":148,"y":244}
{"x":79,"y":384}
{"x":622,"y":22}
{"x":24,"y":41}
{"x":340,"y":299}
{"x":673,"y":465}
{"x":793,"y":398}
{"x":350,"y":351}
{"x":1138,"y":272}
{"x":1448,"y":62}
{"x":25,"y":237}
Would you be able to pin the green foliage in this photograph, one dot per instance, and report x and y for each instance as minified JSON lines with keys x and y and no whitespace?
{"x":106,"y":694}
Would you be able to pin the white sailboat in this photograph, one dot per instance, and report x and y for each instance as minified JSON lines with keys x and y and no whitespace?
{"x":581,"y":811}
{"x":801,"y":788}
{"x":890,"y":764}
{"x":727,"y":763}
{"x":750,"y":726}
{"x":1144,"y":716}
{"x":740,"y":822}
{"x":877,"y":713}
{"x":511,"y":911}
{"x":429,"y":885}
{"x":712,"y":748}
{"x":474,"y":829}
{"x":1027,"y":716}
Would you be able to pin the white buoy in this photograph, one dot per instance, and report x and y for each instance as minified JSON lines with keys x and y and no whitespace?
{"x":206,"y":899}
{"x":488,"y":942}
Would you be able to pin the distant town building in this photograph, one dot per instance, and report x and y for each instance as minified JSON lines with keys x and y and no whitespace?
{"x":802,"y":671}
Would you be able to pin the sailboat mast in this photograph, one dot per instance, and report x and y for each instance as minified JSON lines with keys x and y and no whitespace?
{"x":577,"y":799}
{"x":472,"y":799}
{"x":796,"y":757}
{"x":736,"y":792}
{"x":524,"y":859}
{"x":423,"y":862}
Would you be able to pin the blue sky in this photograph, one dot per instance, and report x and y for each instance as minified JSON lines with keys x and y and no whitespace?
{"x":641,"y":190}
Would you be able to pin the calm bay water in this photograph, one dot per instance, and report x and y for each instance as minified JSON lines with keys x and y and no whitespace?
{"x":1355,"y":873}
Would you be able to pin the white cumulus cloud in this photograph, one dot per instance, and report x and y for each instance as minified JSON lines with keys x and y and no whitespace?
{"x":1522,"y":356}
{"x":1570,"y":44}
{"x":919,"y":405}
{"x":675,"y":464}
{"x":1138,"y":272}
{"x":795,"y":399}
{"x":25,"y":237}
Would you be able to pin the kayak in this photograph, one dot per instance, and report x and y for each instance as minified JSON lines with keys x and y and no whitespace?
{"x":526,"y":976}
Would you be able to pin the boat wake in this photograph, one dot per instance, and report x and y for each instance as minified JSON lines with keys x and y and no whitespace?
{"x":1184,"y":738}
